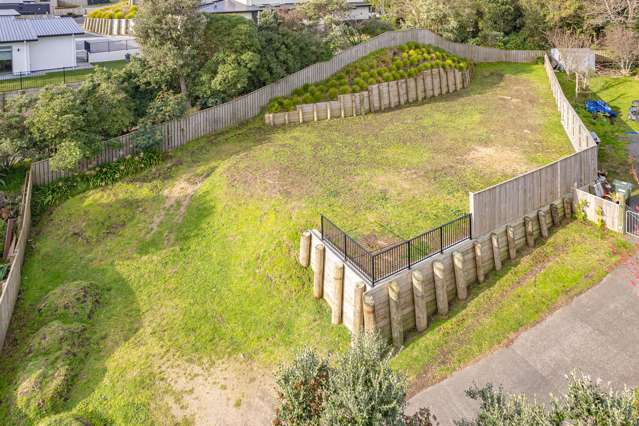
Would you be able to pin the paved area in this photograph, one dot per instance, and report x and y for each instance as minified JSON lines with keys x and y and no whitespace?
{"x":598,"y":333}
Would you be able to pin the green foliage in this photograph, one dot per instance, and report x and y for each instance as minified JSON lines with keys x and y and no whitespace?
{"x":585,"y":403}
{"x":361,"y":389}
{"x":382,"y":65}
{"x":48,"y":196}
{"x":15,"y":142}
{"x":165,"y":107}
{"x":301,"y":388}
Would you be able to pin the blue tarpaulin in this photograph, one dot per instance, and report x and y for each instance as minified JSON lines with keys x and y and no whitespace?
{"x":599,"y":107}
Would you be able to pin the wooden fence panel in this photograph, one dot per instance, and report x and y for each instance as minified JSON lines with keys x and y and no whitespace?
{"x":10,"y":287}
{"x":201,"y":123}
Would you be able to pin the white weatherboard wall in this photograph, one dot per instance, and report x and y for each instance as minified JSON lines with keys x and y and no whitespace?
{"x":20,"y":56}
{"x":52,"y":52}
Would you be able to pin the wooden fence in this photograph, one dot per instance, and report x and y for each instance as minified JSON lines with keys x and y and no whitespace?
{"x":378,"y":97}
{"x":514,"y":198}
{"x":597,"y":209}
{"x":178,"y":132}
{"x":11,"y":285}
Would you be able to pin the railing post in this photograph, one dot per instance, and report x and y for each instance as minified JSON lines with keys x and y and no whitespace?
{"x":470,"y":226}
{"x":64,"y":75}
{"x":345,"y":257}
{"x":21,"y":82}
{"x":373,"y":270}
{"x":409,"y":258}
{"x":441,"y":239}
{"x":322,"y":226}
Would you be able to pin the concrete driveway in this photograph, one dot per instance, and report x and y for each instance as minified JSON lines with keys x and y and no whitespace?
{"x":597,"y":333}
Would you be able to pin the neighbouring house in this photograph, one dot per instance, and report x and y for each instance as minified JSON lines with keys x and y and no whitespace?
{"x":26,"y":7}
{"x":29,"y":45}
{"x":360,"y":10}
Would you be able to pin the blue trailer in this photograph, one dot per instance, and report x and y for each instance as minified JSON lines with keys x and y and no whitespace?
{"x":600,"y":107}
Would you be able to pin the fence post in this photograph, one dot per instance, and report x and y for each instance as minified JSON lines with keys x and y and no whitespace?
{"x":494,"y":241}
{"x":567,"y":208}
{"x":64,"y":75}
{"x":530,"y":236}
{"x":479,"y":262}
{"x":318,"y":276}
{"x":21,"y":88}
{"x":460,"y":279}
{"x":369,"y":314}
{"x":419,"y":300}
{"x":358,"y":312}
{"x":440,"y":288}
{"x":338,"y":293}
{"x":512,"y":247}
{"x":543,"y":225}
{"x":397,"y":330}
{"x":441,"y":239}
{"x":554,"y":214}
{"x":305,"y":249}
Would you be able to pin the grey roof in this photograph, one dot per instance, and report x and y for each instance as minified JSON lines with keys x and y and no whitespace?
{"x":12,"y":30}
{"x":16,"y":30}
{"x":227,"y":6}
{"x":9,"y":12}
{"x":55,"y":27}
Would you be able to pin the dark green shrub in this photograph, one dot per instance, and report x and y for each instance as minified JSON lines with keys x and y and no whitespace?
{"x":333,"y":93}
{"x":307,"y":98}
{"x":345,"y":90}
{"x":396,"y":75}
{"x":371,"y":81}
{"x":318,"y":98}
{"x":332,"y":84}
{"x":356,"y":89}
{"x":298,"y":92}
{"x":301,"y":389}
{"x":365,"y":76}
{"x":388,"y":77}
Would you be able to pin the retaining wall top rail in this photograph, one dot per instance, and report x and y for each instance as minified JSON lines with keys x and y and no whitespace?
{"x":378,"y":265}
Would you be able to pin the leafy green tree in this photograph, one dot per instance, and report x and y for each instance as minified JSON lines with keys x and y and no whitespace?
{"x":169,"y":32}
{"x":166,"y":106}
{"x":15,"y":142}
{"x":284,"y":51}
{"x":230,"y":53}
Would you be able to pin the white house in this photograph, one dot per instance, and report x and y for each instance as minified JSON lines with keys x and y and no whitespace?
{"x":29,"y":45}
{"x":360,"y":10}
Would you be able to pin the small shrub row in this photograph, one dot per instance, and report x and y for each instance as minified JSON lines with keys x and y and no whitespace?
{"x":48,"y":196}
{"x":120,"y":10}
{"x":397,"y":63}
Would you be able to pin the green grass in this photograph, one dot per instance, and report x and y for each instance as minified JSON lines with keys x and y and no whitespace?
{"x":573,"y":259}
{"x":619,"y":92}
{"x":57,"y":77}
{"x":195,"y":260}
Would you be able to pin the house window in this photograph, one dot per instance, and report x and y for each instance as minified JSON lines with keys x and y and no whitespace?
{"x":6,"y":60}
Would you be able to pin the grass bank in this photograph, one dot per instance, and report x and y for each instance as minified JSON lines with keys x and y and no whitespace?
{"x":193,"y":262}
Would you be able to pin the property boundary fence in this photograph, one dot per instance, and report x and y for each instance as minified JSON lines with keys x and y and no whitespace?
{"x":25,"y":81}
{"x":11,"y":285}
{"x":501,"y":204}
{"x":178,"y":132}
{"x":381,"y":264}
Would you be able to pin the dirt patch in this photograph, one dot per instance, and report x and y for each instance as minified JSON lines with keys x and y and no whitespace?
{"x":498,"y":158}
{"x":177,"y":196}
{"x":229,"y":394}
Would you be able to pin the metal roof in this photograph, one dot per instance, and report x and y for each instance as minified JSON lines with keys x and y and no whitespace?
{"x":16,"y":30}
{"x":12,"y":30}
{"x":227,"y":6}
{"x":9,"y":12}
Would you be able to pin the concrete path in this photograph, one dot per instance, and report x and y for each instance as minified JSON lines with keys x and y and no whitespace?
{"x":598,"y":333}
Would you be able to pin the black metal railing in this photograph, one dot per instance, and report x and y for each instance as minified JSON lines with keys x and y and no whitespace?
{"x":383,"y":263}
{"x":23,"y":80}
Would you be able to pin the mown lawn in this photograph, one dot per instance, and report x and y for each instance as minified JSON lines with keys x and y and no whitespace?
{"x":193,"y":263}
{"x":56,"y":77}
{"x":573,"y":259}
{"x":619,"y":92}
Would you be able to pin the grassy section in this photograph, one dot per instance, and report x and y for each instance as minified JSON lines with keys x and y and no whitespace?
{"x":57,"y":77}
{"x":573,"y":259}
{"x":619,"y":92}
{"x":194,"y":261}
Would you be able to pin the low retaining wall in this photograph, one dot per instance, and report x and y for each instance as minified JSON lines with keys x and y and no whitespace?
{"x":378,"y":97}
{"x":444,"y":277}
{"x":109,"y":26}
{"x":598,"y":210}
{"x":116,"y":55}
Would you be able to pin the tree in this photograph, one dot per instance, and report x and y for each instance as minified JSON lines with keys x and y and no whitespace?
{"x":615,"y":12}
{"x":15,"y":141}
{"x":229,"y":54}
{"x":168,"y":32}
{"x":623,"y":44}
